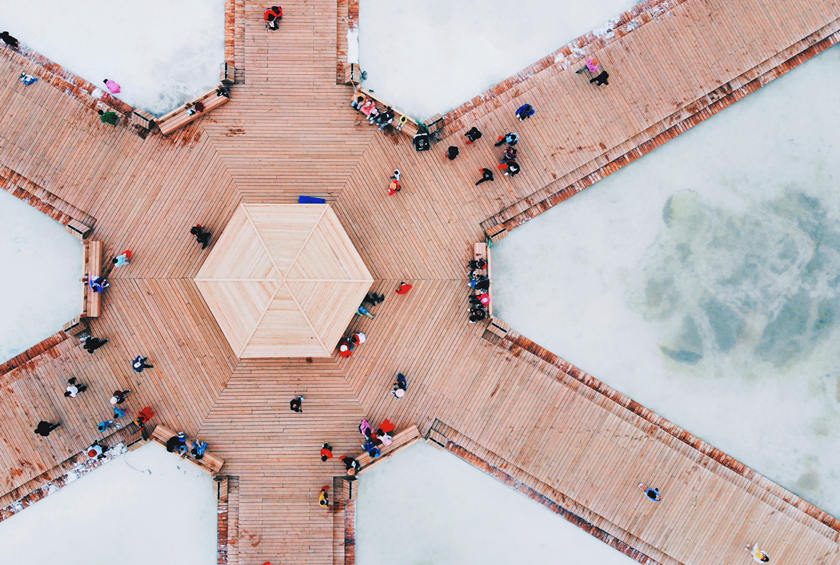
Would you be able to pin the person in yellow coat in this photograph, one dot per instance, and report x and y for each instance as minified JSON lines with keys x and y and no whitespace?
{"x":324,"y":498}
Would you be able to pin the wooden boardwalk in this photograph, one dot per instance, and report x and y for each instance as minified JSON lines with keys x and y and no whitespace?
{"x":289,"y":130}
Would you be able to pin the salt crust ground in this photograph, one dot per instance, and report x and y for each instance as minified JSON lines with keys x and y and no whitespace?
{"x":42,"y":289}
{"x":162,"y":52}
{"x":429,"y":57}
{"x":146,"y":506}
{"x":704,"y":281}
{"x":427,"y":506}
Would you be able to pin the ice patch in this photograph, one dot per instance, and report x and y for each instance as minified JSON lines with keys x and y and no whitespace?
{"x":161,"y":52}
{"x":429,"y":57}
{"x":44,"y":264}
{"x":424,"y":505}
{"x":709,"y":271}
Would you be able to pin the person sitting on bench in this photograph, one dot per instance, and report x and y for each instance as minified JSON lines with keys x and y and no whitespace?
{"x":198,"y":448}
{"x":98,"y":284}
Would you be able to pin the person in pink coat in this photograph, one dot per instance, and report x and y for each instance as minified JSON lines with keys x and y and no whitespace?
{"x":112,"y":86}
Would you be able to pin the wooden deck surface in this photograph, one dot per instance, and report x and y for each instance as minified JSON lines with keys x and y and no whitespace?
{"x":289,"y":130}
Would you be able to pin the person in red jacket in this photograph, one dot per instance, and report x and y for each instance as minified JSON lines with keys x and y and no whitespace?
{"x":272,"y":17}
{"x":326,"y":452}
{"x":403,"y":288}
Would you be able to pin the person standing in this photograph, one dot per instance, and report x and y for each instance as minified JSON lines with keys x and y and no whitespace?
{"x":510,"y":168}
{"x":452,"y":152}
{"x":400,"y":386}
{"x":296,"y":404}
{"x":592,"y":65}
{"x":112,"y":86}
{"x":472,"y":135}
{"x":139,"y":364}
{"x":486,"y":175}
{"x":202,"y":236}
{"x":324,"y":497}
{"x":758,"y":554}
{"x":524,"y":112}
{"x":74,"y":388}
{"x":652,"y":493}
{"x":123,"y":258}
{"x":109,"y":117}
{"x":326,"y":452}
{"x":9,"y":40}
{"x":511,"y":138}
{"x":44,"y":428}
{"x":601,"y":79}
{"x":272,"y":17}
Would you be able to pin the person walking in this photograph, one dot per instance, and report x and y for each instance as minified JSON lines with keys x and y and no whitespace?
{"x":324,"y":497}
{"x":601,"y":79}
{"x":400,"y":386}
{"x":139,"y":364}
{"x":758,"y":554}
{"x":9,"y":40}
{"x":119,"y":397}
{"x":486,"y":175}
{"x":118,"y":412}
{"x":511,"y":138}
{"x":404,"y":288}
{"x":202,"y":236}
{"x":143,"y":416}
{"x":472,"y":135}
{"x":91,"y":344}
{"x":394,"y":186}
{"x":652,"y":493}
{"x":351,"y":465}
{"x":112,"y":86}
{"x":296,"y":404}
{"x":272,"y":17}
{"x":123,"y":258}
{"x":346,"y":347}
{"x":44,"y":428}
{"x":326,"y":452}
{"x":452,"y":152}
{"x":362,"y":311}
{"x":74,"y":388}
{"x":105,"y":425}
{"x":27,"y":79}
{"x":109,"y":117}
{"x":365,"y":428}
{"x":524,"y":112}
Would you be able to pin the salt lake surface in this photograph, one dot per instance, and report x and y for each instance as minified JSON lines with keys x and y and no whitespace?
{"x":429,"y":57}
{"x":161,"y":52}
{"x":704,"y":281}
{"x":424,"y":505}
{"x":42,"y":289}
{"x":146,"y":506}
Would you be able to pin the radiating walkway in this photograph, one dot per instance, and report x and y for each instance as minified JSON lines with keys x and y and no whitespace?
{"x":288,"y":130}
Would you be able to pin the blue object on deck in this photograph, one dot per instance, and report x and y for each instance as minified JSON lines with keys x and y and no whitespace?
{"x":310,"y":200}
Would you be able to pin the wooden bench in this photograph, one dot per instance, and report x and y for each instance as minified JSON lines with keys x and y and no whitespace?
{"x":93,"y":268}
{"x":401,"y":439}
{"x":180,"y":117}
{"x":209,"y":462}
{"x":482,"y":251}
{"x":402,"y":121}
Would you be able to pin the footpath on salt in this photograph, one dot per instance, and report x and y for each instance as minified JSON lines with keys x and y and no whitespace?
{"x":42,"y":289}
{"x":429,"y":57}
{"x":704,"y":281}
{"x":424,"y":505}
{"x":162,"y":53}
{"x":145,"y":506}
